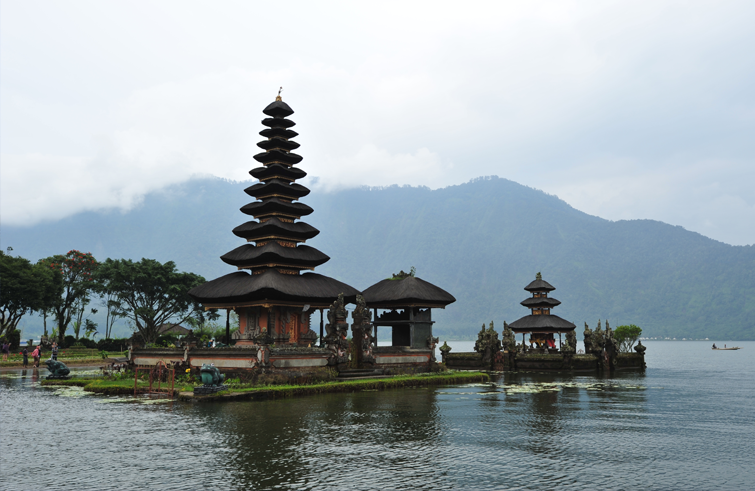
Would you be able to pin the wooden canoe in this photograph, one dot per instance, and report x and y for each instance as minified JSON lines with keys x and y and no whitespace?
{"x":726,"y":349}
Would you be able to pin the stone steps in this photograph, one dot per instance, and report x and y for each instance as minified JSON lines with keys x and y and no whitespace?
{"x":360,"y":373}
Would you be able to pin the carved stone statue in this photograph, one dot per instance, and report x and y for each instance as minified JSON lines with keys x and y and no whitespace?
{"x":610,"y":344}
{"x":336,"y":329}
{"x":570,"y":346}
{"x":340,"y":308}
{"x":598,"y":340}
{"x":487,"y":344}
{"x":588,"y":339}
{"x":432,"y":342}
{"x":57,"y":369}
{"x":263,"y":356}
{"x":640,"y":348}
{"x":611,"y":348}
{"x":211,"y":379}
{"x":362,"y":330}
{"x":444,"y":351}
{"x":210,"y":375}
{"x":509,"y":340}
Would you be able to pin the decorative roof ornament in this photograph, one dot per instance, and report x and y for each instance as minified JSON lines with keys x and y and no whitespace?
{"x":538,"y":276}
{"x":278,"y":97}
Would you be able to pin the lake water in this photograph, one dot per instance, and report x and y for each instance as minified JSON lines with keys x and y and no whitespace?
{"x":688,"y":422}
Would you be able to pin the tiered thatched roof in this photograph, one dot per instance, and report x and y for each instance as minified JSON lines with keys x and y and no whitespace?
{"x":541,"y":320}
{"x":274,"y":254}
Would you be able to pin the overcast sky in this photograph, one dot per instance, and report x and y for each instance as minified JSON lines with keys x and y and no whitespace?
{"x":623,"y":109}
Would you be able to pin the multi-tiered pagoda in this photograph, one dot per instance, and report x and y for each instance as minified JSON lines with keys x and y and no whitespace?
{"x":541,"y":324}
{"x":271,"y":295}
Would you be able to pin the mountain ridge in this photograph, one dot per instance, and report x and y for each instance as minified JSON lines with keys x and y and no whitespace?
{"x":482,"y":241}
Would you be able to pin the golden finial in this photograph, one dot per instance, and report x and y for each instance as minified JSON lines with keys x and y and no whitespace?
{"x":278,"y":98}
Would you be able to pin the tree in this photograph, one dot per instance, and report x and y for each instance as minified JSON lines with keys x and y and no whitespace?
{"x":90,"y":329}
{"x":155,"y":293}
{"x":626,"y":336}
{"x":77,"y":271}
{"x":115,"y":311}
{"x":111,"y":302}
{"x":24,"y":288}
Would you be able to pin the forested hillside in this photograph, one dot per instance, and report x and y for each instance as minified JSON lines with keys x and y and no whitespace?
{"x":483,"y":241}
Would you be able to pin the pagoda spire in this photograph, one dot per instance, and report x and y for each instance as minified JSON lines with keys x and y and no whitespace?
{"x":276,"y":237}
{"x":275,"y":253}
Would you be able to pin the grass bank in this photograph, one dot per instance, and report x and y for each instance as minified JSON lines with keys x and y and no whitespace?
{"x":125,"y":386}
{"x":71,"y":359}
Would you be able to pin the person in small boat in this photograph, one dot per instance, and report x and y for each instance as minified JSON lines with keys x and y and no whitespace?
{"x":714,"y":346}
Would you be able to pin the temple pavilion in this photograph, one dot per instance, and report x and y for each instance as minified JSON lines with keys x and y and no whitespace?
{"x":275,"y":290}
{"x":541,"y":324}
{"x":407,"y":303}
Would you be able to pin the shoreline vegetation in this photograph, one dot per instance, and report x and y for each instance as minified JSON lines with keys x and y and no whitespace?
{"x":184,"y":391}
{"x":72,"y":358}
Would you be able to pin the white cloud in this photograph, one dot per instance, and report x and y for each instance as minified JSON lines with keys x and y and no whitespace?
{"x":624,"y":109}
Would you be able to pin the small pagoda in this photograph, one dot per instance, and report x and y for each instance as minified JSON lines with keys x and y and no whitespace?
{"x":274,"y":292}
{"x":541,"y":324}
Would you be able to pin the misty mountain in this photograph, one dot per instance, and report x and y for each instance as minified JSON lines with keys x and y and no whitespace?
{"x":482,"y":241}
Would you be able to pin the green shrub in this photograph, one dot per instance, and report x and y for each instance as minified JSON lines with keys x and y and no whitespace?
{"x":626,"y":336}
{"x":14,"y":339}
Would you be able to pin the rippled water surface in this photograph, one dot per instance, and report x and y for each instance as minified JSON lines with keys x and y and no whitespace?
{"x":688,"y":422}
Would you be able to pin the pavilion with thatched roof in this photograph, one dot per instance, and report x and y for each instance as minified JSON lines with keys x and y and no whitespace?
{"x":407,"y":302}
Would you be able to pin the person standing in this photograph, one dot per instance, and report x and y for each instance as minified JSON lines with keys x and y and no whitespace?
{"x":35,"y":355}
{"x":55,"y":350}
{"x":25,"y":354}
{"x":6,"y":350}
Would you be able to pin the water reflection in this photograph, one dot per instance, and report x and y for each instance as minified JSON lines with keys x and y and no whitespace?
{"x":682,"y":429}
{"x":301,"y":442}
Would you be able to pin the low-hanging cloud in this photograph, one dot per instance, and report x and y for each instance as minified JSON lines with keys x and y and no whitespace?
{"x":624,"y":110}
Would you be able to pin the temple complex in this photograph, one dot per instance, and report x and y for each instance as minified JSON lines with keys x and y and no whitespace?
{"x":540,"y":352}
{"x":275,"y":291}
{"x":541,"y":325}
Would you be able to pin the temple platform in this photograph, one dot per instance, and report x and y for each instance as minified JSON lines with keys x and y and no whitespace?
{"x":553,"y":362}
{"x":280,"y":358}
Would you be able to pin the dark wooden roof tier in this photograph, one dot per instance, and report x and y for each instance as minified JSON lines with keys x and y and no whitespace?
{"x":274,"y":228}
{"x":278,"y":142}
{"x":542,"y":323}
{"x":407,"y":292}
{"x":278,"y":156}
{"x":275,"y":188}
{"x":276,"y":206}
{"x":278,"y":109}
{"x":277,"y":171}
{"x":539,"y":285}
{"x":546,"y":302}
{"x":279,"y":132}
{"x":241,"y":288}
{"x":273,"y":254}
{"x":278,"y":122}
